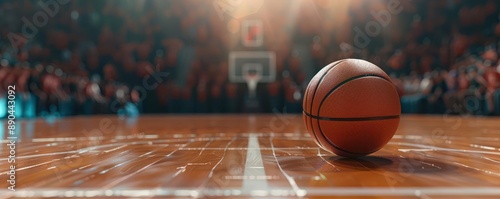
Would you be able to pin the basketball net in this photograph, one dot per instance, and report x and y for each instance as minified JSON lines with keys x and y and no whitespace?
{"x":252,"y":80}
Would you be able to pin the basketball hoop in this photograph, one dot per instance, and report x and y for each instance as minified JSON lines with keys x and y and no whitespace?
{"x":252,"y":67}
{"x":252,"y":79}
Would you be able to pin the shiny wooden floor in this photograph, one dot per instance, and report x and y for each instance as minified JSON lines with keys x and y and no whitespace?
{"x":247,"y":156}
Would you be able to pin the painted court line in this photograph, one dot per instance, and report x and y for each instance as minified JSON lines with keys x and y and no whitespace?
{"x":254,"y":167}
{"x":434,"y":148}
{"x":279,"y":191}
{"x":299,"y":192}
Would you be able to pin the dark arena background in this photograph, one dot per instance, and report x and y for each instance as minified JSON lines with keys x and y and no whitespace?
{"x":204,"y":98}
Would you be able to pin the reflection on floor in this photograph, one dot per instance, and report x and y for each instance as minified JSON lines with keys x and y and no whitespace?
{"x":247,"y":156}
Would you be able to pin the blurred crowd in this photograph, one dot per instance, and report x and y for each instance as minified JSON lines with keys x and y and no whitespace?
{"x":472,"y":88}
{"x":168,"y":56}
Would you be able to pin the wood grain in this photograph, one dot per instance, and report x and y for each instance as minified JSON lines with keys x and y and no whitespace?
{"x":207,"y":155}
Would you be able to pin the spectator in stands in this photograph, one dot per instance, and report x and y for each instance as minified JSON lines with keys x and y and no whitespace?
{"x":174,"y":95}
{"x":435,"y":98}
{"x":411,"y":84}
{"x":492,"y":78}
{"x":232,"y":98}
{"x":475,"y":92}
{"x":86,"y":61}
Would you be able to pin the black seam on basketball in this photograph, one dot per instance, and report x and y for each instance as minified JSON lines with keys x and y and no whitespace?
{"x":328,"y":94}
{"x":347,"y":81}
{"x":347,"y":119}
{"x":314,"y":94}
{"x":337,"y":147}
{"x":321,"y":80}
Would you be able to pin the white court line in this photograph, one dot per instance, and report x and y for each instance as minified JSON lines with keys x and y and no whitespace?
{"x":407,"y":191}
{"x":254,"y":167}
{"x":212,"y":171}
{"x":276,"y":192}
{"x":246,"y":148}
{"x":114,"y":183}
{"x":298,"y":192}
{"x":434,"y":148}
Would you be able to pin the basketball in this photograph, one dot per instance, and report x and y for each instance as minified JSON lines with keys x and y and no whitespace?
{"x":351,"y":108}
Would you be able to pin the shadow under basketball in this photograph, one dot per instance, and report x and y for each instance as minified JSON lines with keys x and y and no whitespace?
{"x":392,"y":163}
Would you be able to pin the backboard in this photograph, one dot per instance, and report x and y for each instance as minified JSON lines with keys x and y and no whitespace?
{"x":252,"y":33}
{"x":261,"y":63}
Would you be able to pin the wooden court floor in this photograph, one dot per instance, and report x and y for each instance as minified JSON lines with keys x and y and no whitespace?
{"x":243,"y":156}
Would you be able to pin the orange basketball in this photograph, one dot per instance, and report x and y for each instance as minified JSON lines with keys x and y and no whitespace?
{"x":351,"y":108}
